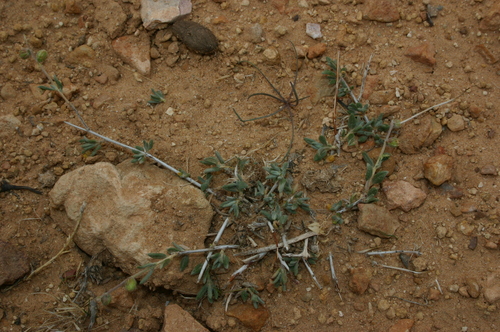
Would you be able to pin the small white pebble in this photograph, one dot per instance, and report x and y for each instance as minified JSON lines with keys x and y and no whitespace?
{"x":485,"y":93}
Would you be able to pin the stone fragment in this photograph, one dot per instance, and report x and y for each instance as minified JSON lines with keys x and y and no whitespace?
{"x":82,"y":55}
{"x":488,"y":170}
{"x":254,"y":34}
{"x":313,"y":30}
{"x":322,"y":180}
{"x":441,"y":232}
{"x":252,"y":318}
{"x":8,"y":125}
{"x":134,"y":50}
{"x":196,"y":37}
{"x":271,"y":55}
{"x":473,"y":287}
{"x":383,"y":305}
{"x":437,"y":169}
{"x":370,"y":84}
{"x":485,"y":52}
{"x":381,"y":11}
{"x":420,"y":263}
{"x":377,"y":220}
{"x":491,"y":20}
{"x":72,"y":7}
{"x":280,"y":31}
{"x":402,"y":325}
{"x":491,"y":245}
{"x":132,"y":211}
{"x":8,"y":91}
{"x":111,"y":18}
{"x":403,"y":194}
{"x":423,"y":53}
{"x":360,"y":280}
{"x":491,"y":290}
{"x":381,"y":97}
{"x":154,"y":12}
{"x":434,"y":294}
{"x":14,"y":263}
{"x":456,"y":123}
{"x":414,"y":137}
{"x":177,"y":319}
{"x":316,"y":50}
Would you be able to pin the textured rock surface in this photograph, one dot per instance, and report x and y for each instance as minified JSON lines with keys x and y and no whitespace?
{"x":196,"y":37}
{"x":14,"y":263}
{"x":403,"y":194}
{"x":249,"y":316}
{"x":134,"y":51}
{"x":111,"y":17}
{"x":381,"y":11}
{"x":414,"y":137}
{"x":438,"y":169}
{"x":154,"y":12}
{"x":423,"y":53}
{"x":177,"y":319}
{"x":377,"y":220}
{"x":132,"y":210}
{"x":360,"y":279}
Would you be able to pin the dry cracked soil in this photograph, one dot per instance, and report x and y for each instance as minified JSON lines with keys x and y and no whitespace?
{"x":456,"y":228}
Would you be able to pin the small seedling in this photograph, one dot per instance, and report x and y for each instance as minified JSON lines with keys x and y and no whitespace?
{"x":157,"y":97}
{"x":331,"y":74}
{"x":322,"y":146}
{"x":250,"y":292}
{"x":140,"y":152}
{"x":90,"y":144}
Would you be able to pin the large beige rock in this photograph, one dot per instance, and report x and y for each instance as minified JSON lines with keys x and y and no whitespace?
{"x":414,"y":137}
{"x":133,"y":210}
{"x":177,"y":319}
{"x":377,"y":220}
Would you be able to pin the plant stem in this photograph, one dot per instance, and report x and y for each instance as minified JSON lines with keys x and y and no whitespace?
{"x":280,"y":245}
{"x":427,"y":109}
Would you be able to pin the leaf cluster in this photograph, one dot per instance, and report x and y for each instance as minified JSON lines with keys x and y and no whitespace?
{"x":140,"y":152}
{"x":252,"y":293}
{"x":322,"y":146}
{"x":331,"y":74}
{"x":90,"y":144}
{"x":157,"y":97}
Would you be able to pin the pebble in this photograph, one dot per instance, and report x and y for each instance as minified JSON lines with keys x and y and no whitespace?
{"x":252,"y":318}
{"x":155,"y":12}
{"x":491,"y":245}
{"x":313,"y":30}
{"x":441,"y":232}
{"x":360,"y":279}
{"x":491,"y":19}
{"x":8,"y":91}
{"x":280,"y":31}
{"x":377,"y":220}
{"x":196,"y":37}
{"x":83,"y":55}
{"x":271,"y":55}
{"x":491,"y":291}
{"x":390,"y":313}
{"x":403,"y":195}
{"x":488,"y":170}
{"x":316,"y":50}
{"x":434,"y":294}
{"x":423,"y":53}
{"x":134,"y":50}
{"x":473,"y":287}
{"x":383,"y":305}
{"x":456,"y":123}
{"x":438,"y":169}
{"x":402,"y":325}
{"x":14,"y":262}
{"x":381,"y":11}
{"x":255,"y":33}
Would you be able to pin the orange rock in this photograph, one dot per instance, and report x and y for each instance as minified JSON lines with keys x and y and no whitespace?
{"x":252,"y":318}
{"x":316,"y":50}
{"x":423,"y":53}
{"x":381,"y":11}
{"x":360,"y":279}
{"x":402,"y":325}
{"x":491,"y":21}
{"x":438,"y":169}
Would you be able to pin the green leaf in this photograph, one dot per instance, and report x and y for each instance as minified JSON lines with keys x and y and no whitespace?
{"x":379,"y":177}
{"x":157,"y":97}
{"x":337,"y":219}
{"x":197,"y":269}
{"x":369,"y":172}
{"x":157,"y":255}
{"x":367,"y":159}
{"x":145,"y":266}
{"x":322,"y":140}
{"x":146,"y":277}
{"x":184,"y":263}
{"x":372,"y":192}
{"x":164,"y":263}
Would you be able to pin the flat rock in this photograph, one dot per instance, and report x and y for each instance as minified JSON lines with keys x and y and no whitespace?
{"x":252,"y":318}
{"x":488,"y":170}
{"x":473,"y":287}
{"x":437,"y":169}
{"x":423,"y":53}
{"x":360,"y":280}
{"x":402,"y":194}
{"x":155,"y":12}
{"x":177,"y":319}
{"x":491,"y":290}
{"x":8,"y":91}
{"x":491,"y":20}
{"x":8,"y":125}
{"x":133,"y":210}
{"x":14,"y":263}
{"x":381,"y":11}
{"x":381,"y":97}
{"x":414,"y":137}
{"x":316,"y":50}
{"x":313,"y":30}
{"x":83,"y":55}
{"x":456,"y":123}
{"x":111,"y":18}
{"x":402,"y":325}
{"x":377,"y":220}
{"x":134,"y":50}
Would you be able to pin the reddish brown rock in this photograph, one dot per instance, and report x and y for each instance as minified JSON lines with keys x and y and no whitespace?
{"x":402,"y":325}
{"x":491,"y":290}
{"x":316,"y":50}
{"x":360,"y":280}
{"x":491,"y":21}
{"x":177,"y":319}
{"x":252,"y":318}
{"x":438,"y":169}
{"x":72,"y":7}
{"x":488,"y":170}
{"x":414,"y":137}
{"x":134,"y":51}
{"x":403,"y":194}
{"x":434,"y":294}
{"x":377,"y":220}
{"x":111,"y":18}
{"x":14,"y":264}
{"x":423,"y":53}
{"x":371,"y":84}
{"x":381,"y":11}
